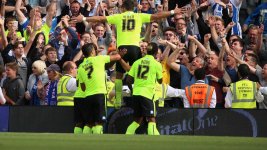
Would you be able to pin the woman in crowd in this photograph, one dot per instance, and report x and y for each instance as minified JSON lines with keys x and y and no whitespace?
{"x":36,"y":50}
{"x":39,"y":74}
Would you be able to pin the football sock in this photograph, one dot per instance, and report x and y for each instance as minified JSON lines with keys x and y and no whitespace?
{"x":98,"y":129}
{"x":132,"y":127}
{"x":78,"y":130}
{"x":118,"y":96}
{"x":152,"y":129}
{"x":87,"y":130}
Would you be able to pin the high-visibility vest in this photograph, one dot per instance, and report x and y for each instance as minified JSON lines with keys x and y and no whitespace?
{"x":199,"y":95}
{"x":160,"y":93}
{"x":110,"y":86}
{"x":64,"y":97}
{"x":244,"y":94}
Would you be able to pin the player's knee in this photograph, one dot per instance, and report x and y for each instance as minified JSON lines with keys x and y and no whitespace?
{"x":139,"y":120}
{"x":151,"y":119}
{"x":89,"y":124}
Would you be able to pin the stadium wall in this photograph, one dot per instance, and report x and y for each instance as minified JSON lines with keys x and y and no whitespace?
{"x":217,"y":122}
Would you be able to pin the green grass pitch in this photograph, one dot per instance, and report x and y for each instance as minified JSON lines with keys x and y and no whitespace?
{"x":56,"y":141}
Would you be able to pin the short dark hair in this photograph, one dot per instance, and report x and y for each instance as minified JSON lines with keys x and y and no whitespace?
{"x":220,"y":19}
{"x":13,"y":65}
{"x":172,"y":29}
{"x":241,"y":42}
{"x":200,"y":73}
{"x":99,"y":24}
{"x":10,"y":18}
{"x":243,"y":70}
{"x":85,"y":32}
{"x":128,"y":4}
{"x":254,"y":57}
{"x":2,"y":70}
{"x":50,"y":49}
{"x":144,"y":41}
{"x":88,"y":48}
{"x":152,"y":48}
{"x":75,"y":1}
{"x":253,"y":27}
{"x":17,"y":43}
{"x":235,"y":36}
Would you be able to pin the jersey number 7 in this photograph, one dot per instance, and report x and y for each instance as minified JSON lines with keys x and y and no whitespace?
{"x":90,"y":71}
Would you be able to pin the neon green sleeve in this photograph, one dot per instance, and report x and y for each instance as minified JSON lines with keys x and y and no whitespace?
{"x":132,"y":70}
{"x":145,"y":17}
{"x":112,"y":19}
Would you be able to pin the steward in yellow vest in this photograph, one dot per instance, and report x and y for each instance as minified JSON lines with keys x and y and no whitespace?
{"x":67,"y":85}
{"x":243,"y":93}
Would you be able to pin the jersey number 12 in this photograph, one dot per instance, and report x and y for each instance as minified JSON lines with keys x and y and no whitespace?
{"x":142,"y":72}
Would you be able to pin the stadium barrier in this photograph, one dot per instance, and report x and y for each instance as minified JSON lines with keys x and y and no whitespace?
{"x":170,"y":121}
{"x":4,"y":115}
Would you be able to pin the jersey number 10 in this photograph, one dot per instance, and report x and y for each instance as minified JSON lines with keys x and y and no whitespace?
{"x":128,"y":24}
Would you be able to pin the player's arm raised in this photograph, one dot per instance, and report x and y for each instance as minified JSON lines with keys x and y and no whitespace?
{"x":81,"y":18}
{"x":115,"y":57}
{"x":166,"y":14}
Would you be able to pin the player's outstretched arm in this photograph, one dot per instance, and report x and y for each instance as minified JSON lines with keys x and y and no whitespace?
{"x":115,"y":57}
{"x":81,"y":18}
{"x":166,"y":14}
